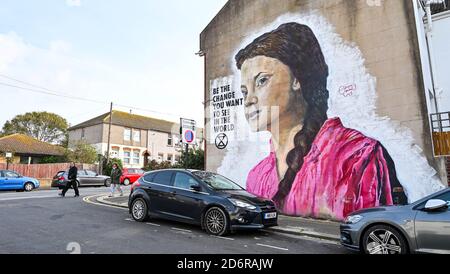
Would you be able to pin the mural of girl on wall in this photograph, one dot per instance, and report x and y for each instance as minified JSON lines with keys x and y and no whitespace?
{"x":317,"y":167}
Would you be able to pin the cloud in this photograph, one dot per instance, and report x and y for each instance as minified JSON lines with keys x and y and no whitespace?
{"x":73,"y":3}
{"x":58,"y":68}
{"x":60,"y":46}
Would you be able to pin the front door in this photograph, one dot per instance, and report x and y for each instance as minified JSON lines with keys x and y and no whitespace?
{"x":187,"y":202}
{"x":433,"y":229}
{"x":92,"y":178}
{"x":12,"y":180}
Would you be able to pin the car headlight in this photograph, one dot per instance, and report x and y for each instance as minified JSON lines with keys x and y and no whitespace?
{"x":353,"y":219}
{"x":242,"y":204}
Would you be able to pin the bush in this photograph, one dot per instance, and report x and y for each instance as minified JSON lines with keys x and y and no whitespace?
{"x":107,"y":166}
{"x":154,"y":165}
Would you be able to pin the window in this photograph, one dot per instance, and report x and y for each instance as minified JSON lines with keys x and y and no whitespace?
{"x":163,"y":178}
{"x":445,"y":197}
{"x":136,"y":156}
{"x":136,"y":135}
{"x":115,"y":152}
{"x":127,"y":156}
{"x":216,"y":181}
{"x":91,"y":173}
{"x":10,"y":174}
{"x":169,"y":140}
{"x":177,"y":158}
{"x":169,"y":157}
{"x":82,"y":133}
{"x":149,"y":177}
{"x":161,"y":156}
{"x":81,"y":173}
{"x":127,"y":134}
{"x":184,"y":181}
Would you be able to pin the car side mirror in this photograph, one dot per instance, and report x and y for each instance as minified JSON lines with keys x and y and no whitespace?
{"x":197,"y":188}
{"x":435,"y":205}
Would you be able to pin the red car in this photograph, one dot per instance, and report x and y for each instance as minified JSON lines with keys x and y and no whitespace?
{"x":130,"y":175}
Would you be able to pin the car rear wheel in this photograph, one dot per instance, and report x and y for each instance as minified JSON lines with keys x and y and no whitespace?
{"x":382,"y":239}
{"x":126,"y":182}
{"x":139,"y":210}
{"x":28,"y":187}
{"x":107,"y":182}
{"x":216,"y":221}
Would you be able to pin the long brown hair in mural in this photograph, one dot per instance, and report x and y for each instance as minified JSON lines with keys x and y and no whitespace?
{"x":327,"y":170}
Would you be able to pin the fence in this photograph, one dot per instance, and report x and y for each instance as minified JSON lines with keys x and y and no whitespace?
{"x":44,"y":171}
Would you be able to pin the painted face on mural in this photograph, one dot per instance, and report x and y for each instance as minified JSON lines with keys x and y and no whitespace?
{"x":317,"y":166}
{"x":267,"y":85}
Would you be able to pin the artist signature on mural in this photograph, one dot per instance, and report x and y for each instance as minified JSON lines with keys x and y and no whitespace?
{"x":221,"y":141}
{"x":347,"y":90}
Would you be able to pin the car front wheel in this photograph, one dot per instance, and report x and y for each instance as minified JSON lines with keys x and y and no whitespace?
{"x":139,"y":210}
{"x":216,"y":221}
{"x":28,"y":187}
{"x":382,"y":239}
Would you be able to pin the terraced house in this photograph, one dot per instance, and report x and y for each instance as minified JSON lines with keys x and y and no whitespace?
{"x":134,"y":139}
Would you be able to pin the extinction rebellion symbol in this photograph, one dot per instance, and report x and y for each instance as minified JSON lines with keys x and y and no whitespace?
{"x":221,"y":141}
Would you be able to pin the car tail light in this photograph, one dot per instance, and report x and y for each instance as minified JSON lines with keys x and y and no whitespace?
{"x":61,"y":178}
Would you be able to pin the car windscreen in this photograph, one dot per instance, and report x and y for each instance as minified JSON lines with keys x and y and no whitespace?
{"x":216,"y":181}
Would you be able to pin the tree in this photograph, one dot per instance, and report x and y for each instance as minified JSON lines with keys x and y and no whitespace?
{"x":192,"y":159}
{"x":82,"y":153}
{"x":44,"y":126}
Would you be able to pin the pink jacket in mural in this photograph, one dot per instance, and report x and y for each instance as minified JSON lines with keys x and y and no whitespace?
{"x":344,"y":171}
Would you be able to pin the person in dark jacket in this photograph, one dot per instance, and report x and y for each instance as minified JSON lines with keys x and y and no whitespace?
{"x":72,"y":181}
{"x":116,"y":173}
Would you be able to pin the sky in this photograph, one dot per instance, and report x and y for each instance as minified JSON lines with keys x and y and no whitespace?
{"x":135,"y":53}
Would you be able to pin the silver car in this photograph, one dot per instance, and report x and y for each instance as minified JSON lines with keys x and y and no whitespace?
{"x":420,"y":227}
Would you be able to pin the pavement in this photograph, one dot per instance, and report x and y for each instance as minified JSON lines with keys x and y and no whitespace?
{"x":44,"y":223}
{"x":322,"y":229}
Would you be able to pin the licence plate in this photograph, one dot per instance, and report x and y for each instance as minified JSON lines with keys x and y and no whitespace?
{"x":271,"y":215}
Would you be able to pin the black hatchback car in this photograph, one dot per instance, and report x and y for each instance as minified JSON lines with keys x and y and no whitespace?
{"x":198,"y":197}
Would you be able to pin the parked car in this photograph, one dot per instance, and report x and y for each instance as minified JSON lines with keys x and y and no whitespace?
{"x":207,"y":199}
{"x":130,"y":175}
{"x":421,"y":227}
{"x":84,"y":178}
{"x":11,"y":180}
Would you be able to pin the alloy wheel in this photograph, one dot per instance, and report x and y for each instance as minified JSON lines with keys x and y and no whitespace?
{"x":28,"y":187}
{"x":383,"y":241}
{"x":139,"y":210}
{"x":215,"y":221}
{"x":126,"y":182}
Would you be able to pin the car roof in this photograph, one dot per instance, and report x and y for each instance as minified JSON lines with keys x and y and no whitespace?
{"x":173,"y":169}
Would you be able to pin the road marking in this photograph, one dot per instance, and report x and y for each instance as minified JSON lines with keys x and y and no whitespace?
{"x":223,"y":238}
{"x":129,"y":220}
{"x":153,"y":224}
{"x":275,"y":247}
{"x":86,"y":199}
{"x":184,"y":230}
{"x":28,"y":197}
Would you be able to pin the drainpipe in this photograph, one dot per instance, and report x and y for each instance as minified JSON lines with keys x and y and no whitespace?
{"x":429,"y":34}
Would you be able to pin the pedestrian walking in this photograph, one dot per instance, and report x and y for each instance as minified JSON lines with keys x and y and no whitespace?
{"x":72,"y":181}
{"x":116,"y":173}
